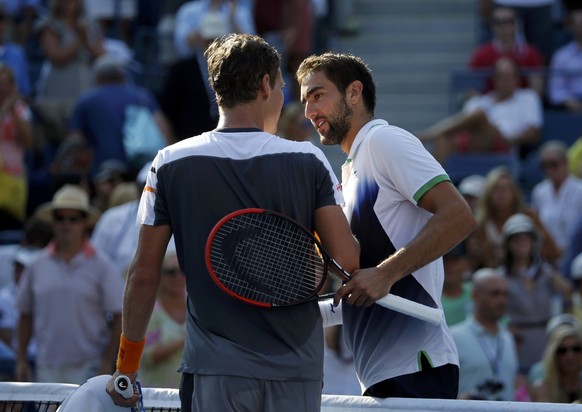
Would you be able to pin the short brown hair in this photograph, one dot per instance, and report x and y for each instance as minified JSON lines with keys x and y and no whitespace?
{"x":342,"y":70}
{"x":236,"y":65}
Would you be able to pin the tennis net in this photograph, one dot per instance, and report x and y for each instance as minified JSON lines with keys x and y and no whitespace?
{"x":47,"y":397}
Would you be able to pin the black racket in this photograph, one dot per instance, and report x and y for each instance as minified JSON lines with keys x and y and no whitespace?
{"x":267,"y":259}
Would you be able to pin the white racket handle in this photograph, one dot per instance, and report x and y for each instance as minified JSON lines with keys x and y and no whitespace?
{"x":330,"y":315}
{"x":411,"y":308}
{"x":123,"y":386}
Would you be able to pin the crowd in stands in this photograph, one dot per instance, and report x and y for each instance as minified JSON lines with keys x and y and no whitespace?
{"x":69,"y":69}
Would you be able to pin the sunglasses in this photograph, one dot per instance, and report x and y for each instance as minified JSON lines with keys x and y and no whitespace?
{"x":72,"y":219}
{"x":498,"y":292}
{"x":499,"y":22}
{"x":549,"y":164}
{"x":563,"y":349}
{"x":172,"y":272}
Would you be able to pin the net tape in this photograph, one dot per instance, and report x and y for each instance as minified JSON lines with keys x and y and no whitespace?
{"x":45,"y":397}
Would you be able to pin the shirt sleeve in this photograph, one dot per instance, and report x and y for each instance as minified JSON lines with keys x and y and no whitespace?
{"x":558,"y":84}
{"x":400,"y":160}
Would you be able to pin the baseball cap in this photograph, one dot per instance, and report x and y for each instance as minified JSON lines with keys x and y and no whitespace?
{"x":519,"y":223}
{"x":562,"y":319}
{"x":472,"y":185}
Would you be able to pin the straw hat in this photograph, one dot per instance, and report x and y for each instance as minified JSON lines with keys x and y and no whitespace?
{"x":69,"y":197}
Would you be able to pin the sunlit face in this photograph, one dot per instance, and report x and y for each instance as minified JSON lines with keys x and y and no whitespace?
{"x":69,"y":225}
{"x":492,"y":297}
{"x":326,"y":107}
{"x":502,"y":194}
{"x":521,"y":244}
{"x":569,"y":355}
{"x":554,"y":166}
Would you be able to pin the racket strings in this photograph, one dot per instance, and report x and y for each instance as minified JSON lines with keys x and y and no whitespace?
{"x":266,"y":258}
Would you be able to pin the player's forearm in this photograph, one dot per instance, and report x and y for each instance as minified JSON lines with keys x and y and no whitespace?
{"x":444,"y":230}
{"x":136,"y":315}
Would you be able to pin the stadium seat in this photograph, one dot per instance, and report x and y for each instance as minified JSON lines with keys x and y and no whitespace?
{"x":561,"y":125}
{"x":459,"y":166}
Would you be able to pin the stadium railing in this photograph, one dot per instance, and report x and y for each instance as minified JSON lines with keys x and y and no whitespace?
{"x":45,"y":397}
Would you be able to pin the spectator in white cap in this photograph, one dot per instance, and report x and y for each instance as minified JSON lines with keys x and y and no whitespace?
{"x":537,"y":290}
{"x":471,"y":187}
{"x":69,"y":298}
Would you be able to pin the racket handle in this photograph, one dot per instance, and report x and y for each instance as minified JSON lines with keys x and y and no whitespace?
{"x":330,"y":315}
{"x":123,"y":386}
{"x":411,"y":308}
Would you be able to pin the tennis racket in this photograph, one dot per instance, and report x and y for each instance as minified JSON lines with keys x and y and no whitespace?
{"x":268,"y":259}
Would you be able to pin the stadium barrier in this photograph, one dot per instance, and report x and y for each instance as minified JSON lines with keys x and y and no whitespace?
{"x":45,"y":397}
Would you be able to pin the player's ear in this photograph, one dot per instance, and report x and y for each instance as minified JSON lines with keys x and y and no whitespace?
{"x":265,"y":88}
{"x":354,"y":91}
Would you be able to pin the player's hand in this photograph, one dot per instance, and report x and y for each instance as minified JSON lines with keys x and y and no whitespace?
{"x":365,"y":288}
{"x":117,"y":398}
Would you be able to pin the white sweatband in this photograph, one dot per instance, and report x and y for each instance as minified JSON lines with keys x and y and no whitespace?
{"x":330,"y":314}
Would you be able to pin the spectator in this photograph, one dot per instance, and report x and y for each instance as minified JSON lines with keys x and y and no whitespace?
{"x":15,"y":139}
{"x":166,"y":329}
{"x":574,"y":248}
{"x":534,"y":288}
{"x":66,"y":296}
{"x":471,"y":187}
{"x":457,"y":286}
{"x":70,"y":44}
{"x":116,"y":232}
{"x":507,"y":42}
{"x":166,"y":30}
{"x":537,"y":371}
{"x":506,"y":119}
{"x":114,"y":16}
{"x":111,"y":173}
{"x":565,"y":77}
{"x":487,"y":353}
{"x":99,"y":115}
{"x":8,"y":311}
{"x":576,"y":276}
{"x":562,"y":361}
{"x":22,"y":14}
{"x":14,"y":56}
{"x":501,"y":199}
{"x":557,"y":199}
{"x":198,"y":21}
{"x":293,"y":125}
{"x":289,"y":26}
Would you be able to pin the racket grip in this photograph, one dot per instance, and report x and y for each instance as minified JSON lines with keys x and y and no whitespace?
{"x":123,"y":386}
{"x":412,"y":308}
{"x":330,"y":315}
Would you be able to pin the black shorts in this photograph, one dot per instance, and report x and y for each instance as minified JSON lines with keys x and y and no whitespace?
{"x":430,"y":383}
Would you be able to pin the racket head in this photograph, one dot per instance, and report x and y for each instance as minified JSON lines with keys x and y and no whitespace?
{"x":265,"y":258}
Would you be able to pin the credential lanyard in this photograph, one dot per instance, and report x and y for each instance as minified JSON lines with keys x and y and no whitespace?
{"x":493,"y":356}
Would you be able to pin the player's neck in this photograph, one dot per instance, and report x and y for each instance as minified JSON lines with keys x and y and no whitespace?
{"x":359,"y":120}
{"x":241,"y":117}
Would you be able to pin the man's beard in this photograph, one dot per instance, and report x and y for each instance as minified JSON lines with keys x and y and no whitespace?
{"x":338,"y":124}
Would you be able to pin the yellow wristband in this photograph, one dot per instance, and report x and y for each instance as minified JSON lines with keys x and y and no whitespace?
{"x":129,"y":355}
